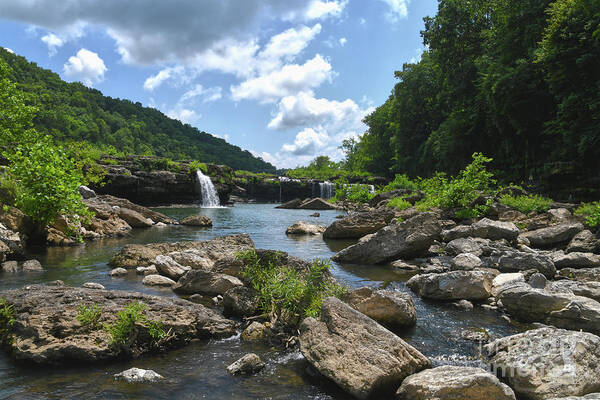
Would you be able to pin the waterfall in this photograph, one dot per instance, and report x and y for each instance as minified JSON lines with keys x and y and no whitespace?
{"x":210,"y":198}
{"x":371,"y":188}
{"x":327,"y":190}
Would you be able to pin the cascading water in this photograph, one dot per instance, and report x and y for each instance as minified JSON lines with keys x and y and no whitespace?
{"x":327,"y":190}
{"x":210,"y":197}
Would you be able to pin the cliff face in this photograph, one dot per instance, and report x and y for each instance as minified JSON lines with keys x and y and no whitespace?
{"x":153,"y":181}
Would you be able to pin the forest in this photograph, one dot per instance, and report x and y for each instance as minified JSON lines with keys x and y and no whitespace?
{"x":518,"y":81}
{"x":72,"y":112}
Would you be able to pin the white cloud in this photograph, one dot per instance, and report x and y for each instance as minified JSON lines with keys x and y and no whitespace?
{"x":343,"y":41}
{"x":323,"y":9}
{"x":362,"y":21}
{"x":290,"y":79}
{"x":286,"y":46}
{"x":154,"y":81}
{"x":307,"y":142}
{"x":53,"y":42}
{"x":397,"y":9}
{"x":9,"y":50}
{"x":86,"y":67}
{"x":206,"y":94}
{"x":184,"y":115}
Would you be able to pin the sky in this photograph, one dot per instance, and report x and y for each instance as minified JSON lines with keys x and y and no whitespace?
{"x":286,"y":79}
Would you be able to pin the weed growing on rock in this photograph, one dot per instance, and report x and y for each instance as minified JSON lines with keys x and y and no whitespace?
{"x":7,"y":317}
{"x":89,"y":317}
{"x":527,"y":204}
{"x":591,"y":212}
{"x":399,"y":203}
{"x":122,"y":329}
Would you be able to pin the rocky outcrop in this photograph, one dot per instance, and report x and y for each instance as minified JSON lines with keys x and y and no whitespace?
{"x":47,"y":330}
{"x":456,"y":285}
{"x":552,"y":235}
{"x":452,"y":383}
{"x":358,"y":225}
{"x":355,"y":352}
{"x":136,"y":255}
{"x":125,"y":203}
{"x":196,"y":220}
{"x":390,"y":308}
{"x":400,"y":240}
{"x":548,"y":362}
{"x":302,"y":228}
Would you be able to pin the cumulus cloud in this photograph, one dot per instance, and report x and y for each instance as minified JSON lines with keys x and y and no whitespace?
{"x":86,"y":67}
{"x":9,"y":50}
{"x":207,"y":95}
{"x":166,"y":74}
{"x":323,"y":9}
{"x":184,"y":115}
{"x":306,"y":143}
{"x":343,"y":41}
{"x":53,"y":42}
{"x":397,"y":9}
{"x":290,"y":79}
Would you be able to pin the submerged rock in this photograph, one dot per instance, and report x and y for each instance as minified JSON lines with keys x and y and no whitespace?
{"x":118,"y":272}
{"x":357,"y":353}
{"x":46,"y":328}
{"x":138,"y":375}
{"x":302,"y":228}
{"x":196,"y":220}
{"x":456,"y":285}
{"x":390,"y":308}
{"x":547,"y":362}
{"x":452,"y":383}
{"x":358,"y":225}
{"x":249,"y":364}
{"x":10,"y":266}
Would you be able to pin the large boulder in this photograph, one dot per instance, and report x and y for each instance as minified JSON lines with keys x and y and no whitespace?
{"x":551,"y":305}
{"x":249,"y":364}
{"x":407,"y":239}
{"x":454,"y":383}
{"x":552,"y":235}
{"x":192,"y":259}
{"x":504,"y":281}
{"x":466,"y":262}
{"x":355,"y":352}
{"x":585,"y":242}
{"x":547,"y":362}
{"x":456,"y":285}
{"x":86,"y":192}
{"x":358,"y":225}
{"x":291,"y":205}
{"x":583,"y":274}
{"x":389,"y":308}
{"x":47,"y":330}
{"x":11,"y":239}
{"x":317,"y":204}
{"x":134,"y":218}
{"x":158,"y":280}
{"x":196,"y":220}
{"x":302,"y":228}
{"x":518,"y":261}
{"x":592,"y":396}
{"x":576,"y":259}
{"x":203,"y":282}
{"x":124,"y":203}
{"x":484,"y":229}
{"x":240,"y":301}
{"x":585,"y":289}
{"x":166,"y":266}
{"x":136,"y":255}
{"x":137,"y":375}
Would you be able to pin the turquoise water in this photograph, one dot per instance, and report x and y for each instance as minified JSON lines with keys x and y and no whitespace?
{"x":198,"y":371}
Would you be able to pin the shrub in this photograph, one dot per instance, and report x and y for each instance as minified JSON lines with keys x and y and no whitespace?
{"x":285,"y":291}
{"x":356,"y":193}
{"x":89,"y":317}
{"x":526,"y":204}
{"x":122,"y":329}
{"x":591,"y":212}
{"x":399,"y":203}
{"x":7,"y":317}
{"x":401,"y":182}
{"x":197,"y":165}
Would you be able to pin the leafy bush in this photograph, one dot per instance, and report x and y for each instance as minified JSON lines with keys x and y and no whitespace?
{"x":526,"y":204}
{"x":197,"y":165}
{"x":122,"y":329}
{"x":89,"y":317}
{"x":399,"y":203}
{"x":401,"y":182}
{"x":285,"y":291}
{"x":356,"y":193}
{"x":591,"y":211}
{"x":7,"y":317}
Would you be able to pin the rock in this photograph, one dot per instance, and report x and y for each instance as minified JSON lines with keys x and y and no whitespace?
{"x":166,"y":266}
{"x":240,"y":301}
{"x":494,"y":230}
{"x":358,"y":225}
{"x":584,"y":289}
{"x":576,"y":260}
{"x":585,"y":241}
{"x":134,"y":218}
{"x":315,"y":215}
{"x":515,"y":261}
{"x":467,"y":262}
{"x":10,"y":266}
{"x":466,"y":245}
{"x":158,"y":280}
{"x":135,"y":255}
{"x":583,"y":274}
{"x":249,"y":364}
{"x":547,"y":362}
{"x":553,"y":235}
{"x":11,"y":239}
{"x":151,"y":270}
{"x":302,"y":228}
{"x":562,"y":309}
{"x":357,"y":353}
{"x":317,"y":204}
{"x":118,"y":272}
{"x":464,"y":305}
{"x":115,"y":202}
{"x":454,"y":383}
{"x":460,"y":231}
{"x":192,"y":259}
{"x":254,"y":331}
{"x":292,"y":204}
{"x":198,"y":281}
{"x":93,"y":285}
{"x":405,"y":240}
{"x":592,"y":396}
{"x":229,"y":266}
{"x":538,"y":281}
{"x":456,"y":285}
{"x":505,"y":281}
{"x":86,"y":192}
{"x":32,"y":266}
{"x":389,"y":308}
{"x":137,"y":375}
{"x":196,"y":220}
{"x":47,"y":330}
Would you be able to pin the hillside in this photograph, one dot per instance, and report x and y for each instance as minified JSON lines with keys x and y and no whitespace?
{"x":74,"y":112}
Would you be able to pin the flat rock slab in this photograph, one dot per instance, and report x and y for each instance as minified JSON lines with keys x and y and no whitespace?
{"x":547,"y":362}
{"x":355,"y":352}
{"x":46,"y":328}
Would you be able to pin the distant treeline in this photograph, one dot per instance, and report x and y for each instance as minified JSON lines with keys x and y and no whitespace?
{"x":71,"y":112}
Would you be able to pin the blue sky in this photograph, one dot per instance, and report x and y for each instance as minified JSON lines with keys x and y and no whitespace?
{"x":287,"y":80}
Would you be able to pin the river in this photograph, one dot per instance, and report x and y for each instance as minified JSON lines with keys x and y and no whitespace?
{"x":198,"y":370}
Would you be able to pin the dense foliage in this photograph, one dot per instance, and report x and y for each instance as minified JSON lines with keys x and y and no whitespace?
{"x":591,"y":212}
{"x":526,"y":203}
{"x":516,"y":80}
{"x":71,"y":112}
{"x":323,"y":168}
